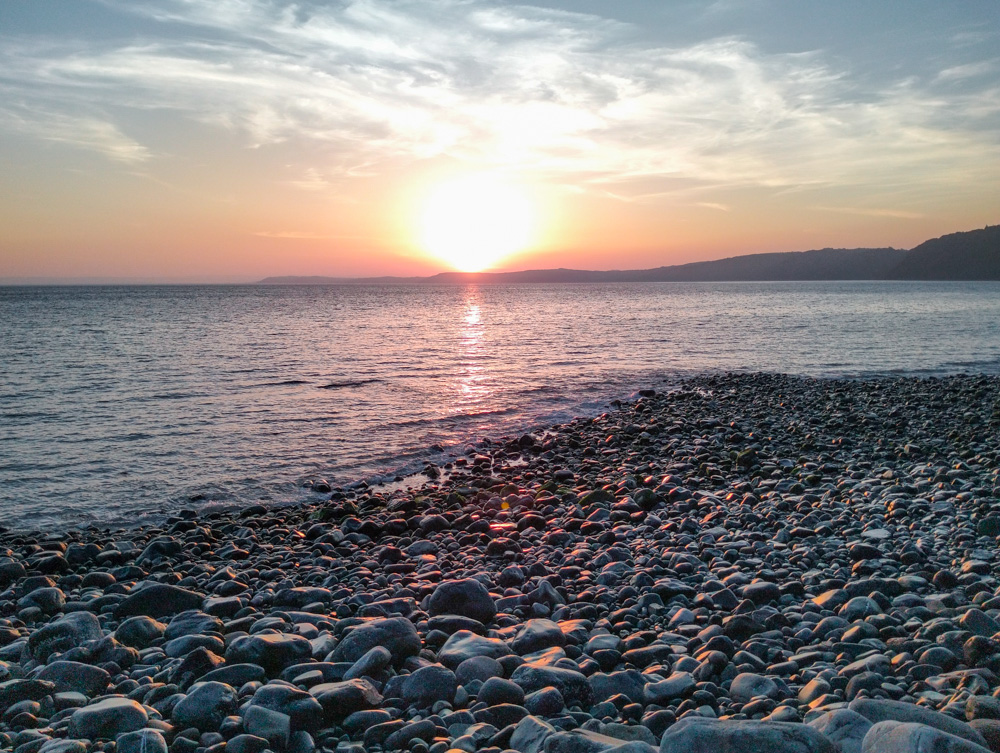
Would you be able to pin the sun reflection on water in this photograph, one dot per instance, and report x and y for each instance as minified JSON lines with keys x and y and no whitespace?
{"x":474,"y":390}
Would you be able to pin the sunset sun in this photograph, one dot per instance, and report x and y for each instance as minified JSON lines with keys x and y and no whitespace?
{"x":474,"y":222}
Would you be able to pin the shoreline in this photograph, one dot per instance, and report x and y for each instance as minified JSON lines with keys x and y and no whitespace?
{"x":745,"y":547}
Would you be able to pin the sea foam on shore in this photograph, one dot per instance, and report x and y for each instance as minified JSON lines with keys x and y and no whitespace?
{"x":752,"y":562}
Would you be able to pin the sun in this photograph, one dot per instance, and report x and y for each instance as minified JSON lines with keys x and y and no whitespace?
{"x":473,"y":222}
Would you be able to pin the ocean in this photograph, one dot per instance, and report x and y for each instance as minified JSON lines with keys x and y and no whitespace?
{"x":123,"y":404}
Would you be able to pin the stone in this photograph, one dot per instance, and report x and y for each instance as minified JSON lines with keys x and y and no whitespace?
{"x":158,"y":600}
{"x":879,"y":710}
{"x":205,"y":706}
{"x":268,"y":724}
{"x":700,"y":735}
{"x":140,"y":632}
{"x":63,"y":634}
{"x":17,"y":690}
{"x":496,"y":690}
{"x":371,"y":664}
{"x":677,"y":685}
{"x":303,"y":710}
{"x":536,"y":635}
{"x":141,"y":741}
{"x":428,"y":685}
{"x":397,"y":634}
{"x":910,"y":737}
{"x":529,"y":735}
{"x":272,"y":651}
{"x":468,"y":598}
{"x":844,"y":728}
{"x":748,"y":685}
{"x":246,"y":744}
{"x":340,"y":699}
{"x":571,"y":684}
{"x":192,"y":622}
{"x":465,"y":645}
{"x":75,"y":677}
{"x":106,"y":719}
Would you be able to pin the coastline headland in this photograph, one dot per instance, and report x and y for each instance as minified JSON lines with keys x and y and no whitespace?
{"x":754,"y":562}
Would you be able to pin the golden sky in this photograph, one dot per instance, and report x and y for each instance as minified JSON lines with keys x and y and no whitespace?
{"x":188,"y":140}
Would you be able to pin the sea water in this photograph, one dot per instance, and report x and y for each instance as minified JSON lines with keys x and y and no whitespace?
{"x":123,"y":404}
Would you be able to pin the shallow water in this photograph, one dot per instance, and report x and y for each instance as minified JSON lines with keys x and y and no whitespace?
{"x":122,"y":404}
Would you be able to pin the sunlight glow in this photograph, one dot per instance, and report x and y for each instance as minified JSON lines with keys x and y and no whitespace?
{"x":473,"y":222}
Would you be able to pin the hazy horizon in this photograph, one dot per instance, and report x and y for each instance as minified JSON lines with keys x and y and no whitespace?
{"x":172,"y":140}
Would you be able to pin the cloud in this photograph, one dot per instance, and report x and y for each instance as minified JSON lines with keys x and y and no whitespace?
{"x":83,"y":131}
{"x":897,"y":214}
{"x":566,"y":96}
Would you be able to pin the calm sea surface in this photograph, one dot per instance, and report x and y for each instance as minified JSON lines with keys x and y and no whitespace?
{"x":123,"y":404}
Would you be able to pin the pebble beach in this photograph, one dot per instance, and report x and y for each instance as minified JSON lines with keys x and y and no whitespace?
{"x":749,"y":562}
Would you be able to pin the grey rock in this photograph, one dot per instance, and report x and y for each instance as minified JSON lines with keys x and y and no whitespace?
{"x":397,"y":634}
{"x":427,"y":685}
{"x":141,"y":741}
{"x":878,"y":710}
{"x":371,"y":664}
{"x":341,"y":699}
{"x":63,"y":634}
{"x":107,"y":719}
{"x":205,"y":706}
{"x":302,"y":709}
{"x":76,"y":677}
{"x":909,"y":737}
{"x":468,"y":598}
{"x":748,"y":685}
{"x":192,"y":622}
{"x":572,"y":685}
{"x":701,"y":735}
{"x":272,"y":651}
{"x":158,"y":600}
{"x":529,"y":735}
{"x":843,"y":727}
{"x":139,"y":632}
{"x":271,"y":725}
{"x":677,"y":685}
{"x":465,"y":645}
{"x":536,"y":635}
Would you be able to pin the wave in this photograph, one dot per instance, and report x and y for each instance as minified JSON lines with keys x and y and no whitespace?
{"x":350,"y":383}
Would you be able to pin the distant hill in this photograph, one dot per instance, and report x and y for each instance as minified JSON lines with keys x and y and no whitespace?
{"x":974,"y":255}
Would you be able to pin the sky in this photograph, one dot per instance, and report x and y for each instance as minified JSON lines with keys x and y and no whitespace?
{"x":228,"y":140}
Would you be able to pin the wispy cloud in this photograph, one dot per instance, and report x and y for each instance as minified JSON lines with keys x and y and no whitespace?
{"x":559,"y":94}
{"x":897,"y":214}
{"x":79,"y":130}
